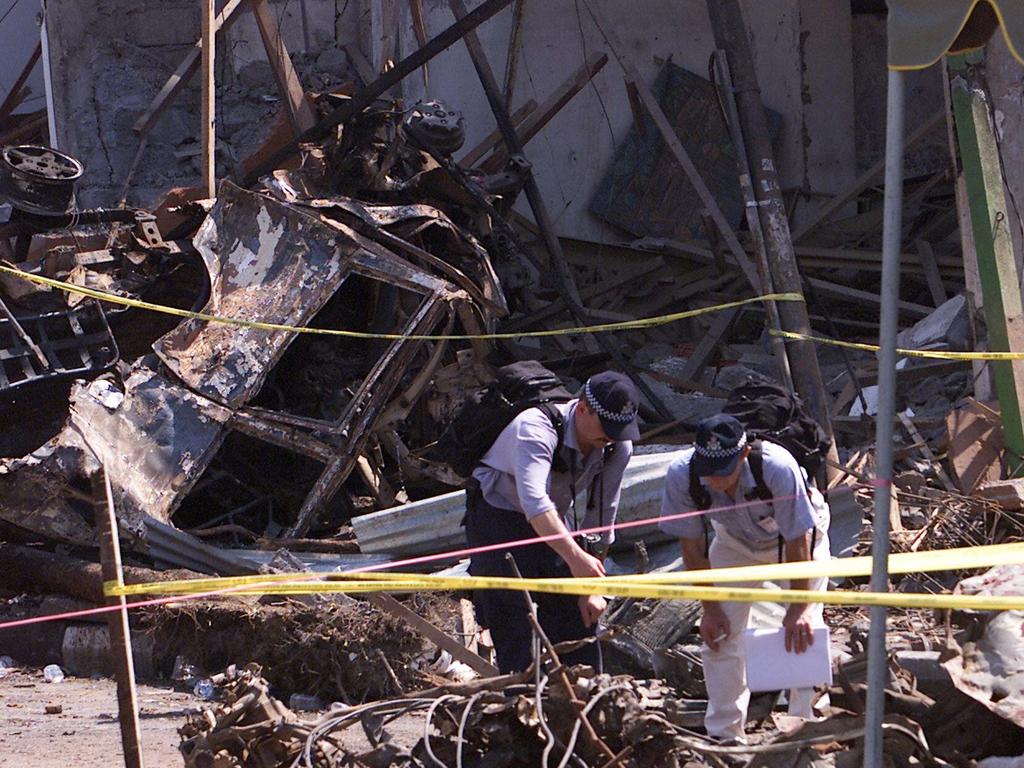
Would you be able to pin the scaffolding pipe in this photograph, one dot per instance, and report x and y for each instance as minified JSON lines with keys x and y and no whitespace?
{"x":891,"y":235}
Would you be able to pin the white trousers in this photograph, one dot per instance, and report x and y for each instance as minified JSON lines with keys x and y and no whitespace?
{"x":725,"y":671}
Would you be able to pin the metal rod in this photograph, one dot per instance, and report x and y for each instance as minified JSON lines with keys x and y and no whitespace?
{"x":891,"y":234}
{"x":18,"y":329}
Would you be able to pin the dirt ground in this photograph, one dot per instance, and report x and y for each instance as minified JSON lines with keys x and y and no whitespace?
{"x":85,"y":733}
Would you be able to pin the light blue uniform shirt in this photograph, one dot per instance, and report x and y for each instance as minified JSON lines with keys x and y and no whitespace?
{"x":789,"y":514}
{"x":516,"y":472}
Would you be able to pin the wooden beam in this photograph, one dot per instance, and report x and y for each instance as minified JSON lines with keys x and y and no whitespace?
{"x":15,"y":96}
{"x":512,"y":56}
{"x":188,"y":67}
{"x":26,"y":130}
{"x":993,"y":244}
{"x":117,"y":621}
{"x":857,"y":295}
{"x":363,"y":67}
{"x":419,"y":27}
{"x":711,"y":341}
{"x":647,"y":98}
{"x":297,"y":106}
{"x":208,"y":109}
{"x":866,"y":179}
{"x":423,"y":627}
{"x":552,"y":105}
{"x":493,"y":139}
{"x":931,"y":272}
{"x":810,"y":256}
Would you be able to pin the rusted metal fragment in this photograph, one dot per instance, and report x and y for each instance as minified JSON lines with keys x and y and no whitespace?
{"x":155,"y":442}
{"x":154,"y":437}
{"x":35,"y":490}
{"x":463,"y":259}
{"x":268,"y":262}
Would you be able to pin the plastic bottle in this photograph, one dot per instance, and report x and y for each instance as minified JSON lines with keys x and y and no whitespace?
{"x":303,"y":702}
{"x":6,"y":665}
{"x":53,"y":674}
{"x":204,"y":689}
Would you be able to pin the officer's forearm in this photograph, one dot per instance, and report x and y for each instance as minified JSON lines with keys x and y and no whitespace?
{"x":550,"y":524}
{"x":695,"y":559}
{"x":798,"y":550}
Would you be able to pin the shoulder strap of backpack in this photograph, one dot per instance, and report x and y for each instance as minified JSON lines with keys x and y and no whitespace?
{"x":558,"y":422}
{"x":756,"y":461}
{"x":698,"y":493}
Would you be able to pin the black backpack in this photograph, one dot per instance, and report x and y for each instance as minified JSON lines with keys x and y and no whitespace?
{"x":486,"y":412}
{"x":770,"y":412}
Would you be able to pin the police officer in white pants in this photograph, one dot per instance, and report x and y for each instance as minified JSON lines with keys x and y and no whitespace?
{"x":761,"y":510}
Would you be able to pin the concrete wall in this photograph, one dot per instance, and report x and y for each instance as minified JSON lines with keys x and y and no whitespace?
{"x":923,"y":99}
{"x":19,"y":33}
{"x":109,"y":58}
{"x":801,"y":50}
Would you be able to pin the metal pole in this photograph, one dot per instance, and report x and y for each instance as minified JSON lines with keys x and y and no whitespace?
{"x":891,"y":236}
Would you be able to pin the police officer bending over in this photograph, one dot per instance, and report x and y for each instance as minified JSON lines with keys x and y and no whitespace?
{"x":762,"y":510}
{"x":524,"y":488}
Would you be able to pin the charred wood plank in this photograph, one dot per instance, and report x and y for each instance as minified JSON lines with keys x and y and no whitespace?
{"x":25,"y":568}
{"x":177,"y":81}
{"x":423,"y":627}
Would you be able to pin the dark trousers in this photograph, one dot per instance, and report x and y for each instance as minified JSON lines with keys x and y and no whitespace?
{"x":504,"y":612}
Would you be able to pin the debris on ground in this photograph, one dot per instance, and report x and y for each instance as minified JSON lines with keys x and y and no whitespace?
{"x":374,"y":272}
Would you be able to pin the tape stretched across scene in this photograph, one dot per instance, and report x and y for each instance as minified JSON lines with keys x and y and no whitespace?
{"x":670,"y":586}
{"x":933,"y":354}
{"x":626,"y":325}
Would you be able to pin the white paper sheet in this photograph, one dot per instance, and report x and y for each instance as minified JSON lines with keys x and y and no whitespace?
{"x":771,"y":668}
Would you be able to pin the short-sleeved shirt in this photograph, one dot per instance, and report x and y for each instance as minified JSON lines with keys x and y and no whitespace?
{"x":789,"y":513}
{"x":516,"y":474}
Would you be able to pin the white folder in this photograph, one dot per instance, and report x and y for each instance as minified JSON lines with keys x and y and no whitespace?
{"x":770,"y":667}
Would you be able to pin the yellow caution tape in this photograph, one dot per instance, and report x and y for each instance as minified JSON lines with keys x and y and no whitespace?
{"x":626,"y":325}
{"x":934,"y":354}
{"x":616,"y":588}
{"x":662,"y":586}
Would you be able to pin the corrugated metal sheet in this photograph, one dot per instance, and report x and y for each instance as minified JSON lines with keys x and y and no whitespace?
{"x":435,"y":525}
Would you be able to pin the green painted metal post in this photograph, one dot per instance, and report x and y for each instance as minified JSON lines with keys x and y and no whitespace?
{"x":997,"y":268}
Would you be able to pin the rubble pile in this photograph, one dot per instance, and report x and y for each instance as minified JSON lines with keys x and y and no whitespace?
{"x":937,"y":700}
{"x":265,"y":374}
{"x":336,"y":650}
